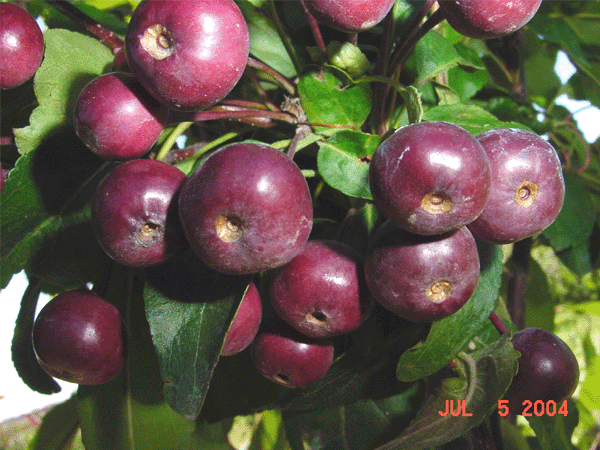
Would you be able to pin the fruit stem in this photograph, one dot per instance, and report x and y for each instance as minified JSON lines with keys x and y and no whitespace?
{"x":517,"y":281}
{"x":283,"y":35}
{"x":107,"y":37}
{"x":497,"y":322}
{"x":272,"y":75}
{"x":170,"y":141}
{"x":314,"y":26}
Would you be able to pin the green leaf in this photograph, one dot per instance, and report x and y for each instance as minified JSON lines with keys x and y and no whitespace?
{"x":433,"y":55}
{"x":326,"y":100}
{"x":130,"y":412}
{"x":575,"y":222}
{"x":45,"y":201}
{"x":539,"y":311}
{"x":360,"y":426}
{"x":189,"y":308}
{"x":472,"y":118}
{"x":343,"y":161}
{"x":58,"y":427}
{"x":71,"y":60}
{"x":22,"y":351}
{"x":484,"y":376}
{"x":554,"y":432}
{"x":449,"y":336}
{"x":265,"y":42}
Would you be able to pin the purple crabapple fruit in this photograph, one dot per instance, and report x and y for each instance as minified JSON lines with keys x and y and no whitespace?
{"x":134,"y":213}
{"x":322,"y":291}
{"x":116,"y":118}
{"x":350,"y":16}
{"x":289,"y":358}
{"x":188,"y":55}
{"x":528,"y":188}
{"x":422,"y":278}
{"x":548,"y":369}
{"x":21,"y":46}
{"x":246,"y":209}
{"x":78,"y":337}
{"x":430,"y":177}
{"x":484,"y":19}
{"x":245,"y":324}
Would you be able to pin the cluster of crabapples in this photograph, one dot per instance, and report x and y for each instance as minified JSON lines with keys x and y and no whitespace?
{"x":247,"y":209}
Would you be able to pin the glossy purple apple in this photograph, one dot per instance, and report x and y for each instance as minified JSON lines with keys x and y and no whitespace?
{"x":528,"y":187}
{"x":289,"y":358}
{"x":322,"y":291}
{"x":134,"y":213}
{"x":78,"y":337}
{"x":422,"y":278}
{"x":350,"y":16}
{"x":245,"y":324}
{"x":548,"y":370}
{"x":430,"y":177}
{"x":246,"y":209}
{"x":116,"y":118}
{"x":21,"y":46}
{"x":484,"y":19}
{"x":188,"y":55}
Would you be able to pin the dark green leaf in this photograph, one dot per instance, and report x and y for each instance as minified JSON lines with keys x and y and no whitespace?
{"x":484,"y":376}
{"x":58,"y":427}
{"x":71,"y":60}
{"x":554,"y":432}
{"x":356,"y":230}
{"x":326,"y":100}
{"x":45,"y":201}
{"x":22,"y":351}
{"x":360,"y":426}
{"x":189,"y":308}
{"x":539,"y":312}
{"x":472,"y":118}
{"x":433,"y":55}
{"x":575,"y":222}
{"x":343,"y":161}
{"x":449,"y":336}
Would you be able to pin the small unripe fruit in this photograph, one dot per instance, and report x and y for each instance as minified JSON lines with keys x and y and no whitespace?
{"x":78,"y":337}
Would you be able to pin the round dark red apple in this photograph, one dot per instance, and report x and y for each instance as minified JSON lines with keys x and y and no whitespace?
{"x":422,"y":278}
{"x":322,"y":291}
{"x":289,"y":358}
{"x":134,"y":213}
{"x":78,"y":337}
{"x":350,"y":16}
{"x":528,"y":187}
{"x":246,"y":209}
{"x":548,"y":369}
{"x":430,"y":177}
{"x":116,"y":118}
{"x":484,"y":19}
{"x":188,"y":55}
{"x":245,"y":324}
{"x":21,"y":46}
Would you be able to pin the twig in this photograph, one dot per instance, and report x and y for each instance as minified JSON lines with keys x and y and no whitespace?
{"x":314,"y":26}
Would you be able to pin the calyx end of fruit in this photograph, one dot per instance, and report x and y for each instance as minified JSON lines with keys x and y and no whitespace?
{"x":526,"y":193}
{"x":157,"y":41}
{"x":317,"y":318}
{"x":439,"y":291}
{"x":229,"y":227}
{"x":437,"y":203}
{"x":149,"y":232}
